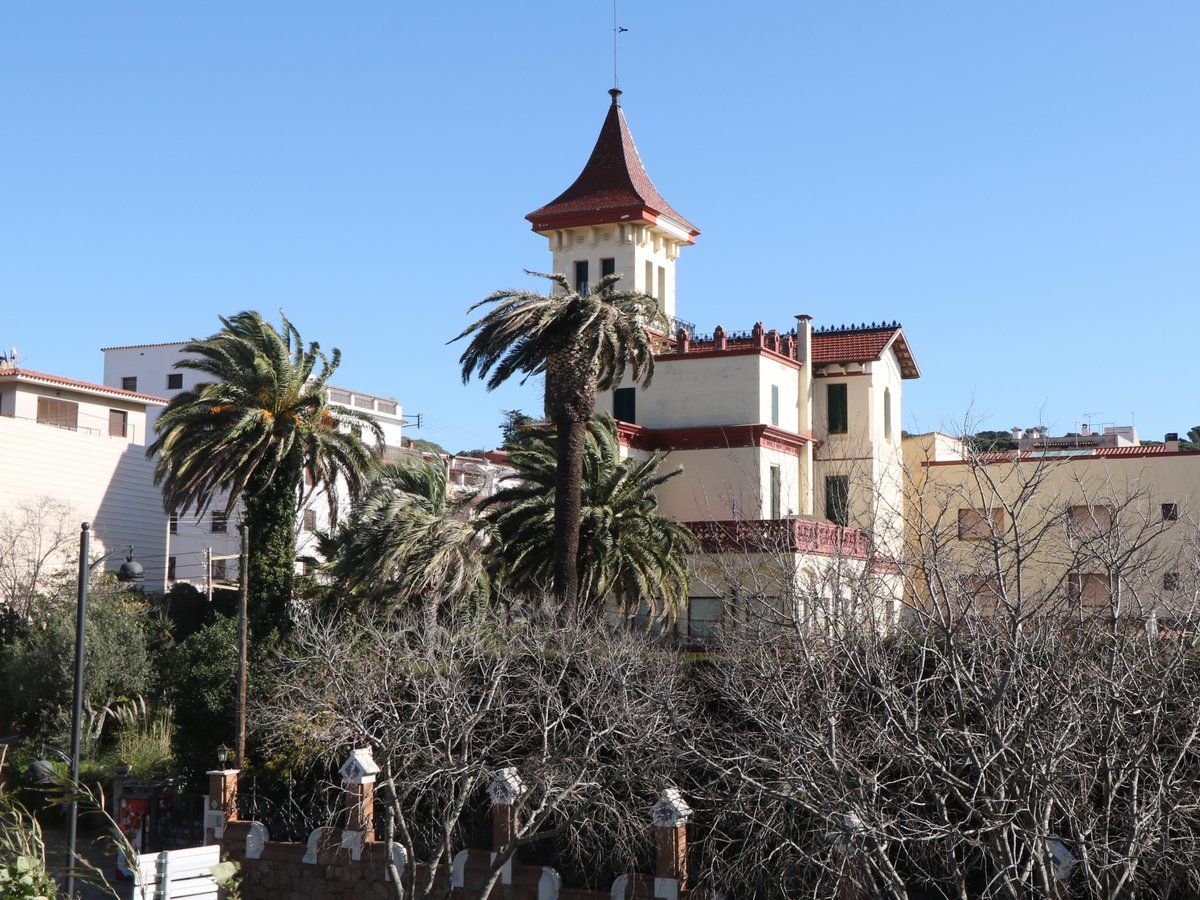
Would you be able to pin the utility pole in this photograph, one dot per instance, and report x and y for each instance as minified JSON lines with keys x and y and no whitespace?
{"x":77,"y":709}
{"x":208,"y":585}
{"x":243,"y":604}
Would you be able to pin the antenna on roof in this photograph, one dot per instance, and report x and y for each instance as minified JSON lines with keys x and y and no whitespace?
{"x":616,"y":29}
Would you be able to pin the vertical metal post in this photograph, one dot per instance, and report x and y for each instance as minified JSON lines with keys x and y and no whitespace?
{"x":243,"y":604}
{"x":208,"y":588}
{"x":77,"y":708}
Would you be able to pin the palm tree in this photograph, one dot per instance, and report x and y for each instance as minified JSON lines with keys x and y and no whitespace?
{"x":250,"y":435}
{"x":409,"y":540}
{"x":627,"y":548}
{"x":582,"y":343}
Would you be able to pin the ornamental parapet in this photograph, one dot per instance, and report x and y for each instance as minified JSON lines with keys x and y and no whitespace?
{"x":791,"y":535}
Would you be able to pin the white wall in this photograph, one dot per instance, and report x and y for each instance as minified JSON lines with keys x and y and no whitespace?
{"x":110,"y":483}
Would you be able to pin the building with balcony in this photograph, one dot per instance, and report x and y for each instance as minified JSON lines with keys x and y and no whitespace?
{"x":788,"y":436}
{"x":193,"y":541}
{"x":72,"y":451}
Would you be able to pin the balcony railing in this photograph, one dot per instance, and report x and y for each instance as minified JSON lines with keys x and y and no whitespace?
{"x":793,"y":535}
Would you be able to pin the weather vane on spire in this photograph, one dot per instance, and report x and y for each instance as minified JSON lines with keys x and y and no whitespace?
{"x":616,"y":29}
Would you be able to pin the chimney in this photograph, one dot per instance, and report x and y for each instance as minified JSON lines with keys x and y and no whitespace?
{"x":1017,"y":434}
{"x":1171,"y":440}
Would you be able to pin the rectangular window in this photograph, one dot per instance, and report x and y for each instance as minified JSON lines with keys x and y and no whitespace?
{"x":174,"y":381}
{"x":59,"y":413}
{"x":662,"y":284}
{"x":837,"y":409}
{"x":173,"y":524}
{"x":581,"y":276}
{"x":776,"y":488}
{"x":336,"y":396}
{"x":1088,"y":589}
{"x":980,"y":525}
{"x":625,"y":405}
{"x":887,"y":414}
{"x":775,"y":404}
{"x":171,"y":568}
{"x":1086,"y":522}
{"x":649,"y":278}
{"x":837,"y":499}
{"x":310,"y":520}
{"x":608,"y":267}
{"x":118,"y":422}
{"x":704,"y":616}
{"x":129,"y":383}
{"x":1170,"y":512}
{"x":220,"y":524}
{"x":1171,"y":581}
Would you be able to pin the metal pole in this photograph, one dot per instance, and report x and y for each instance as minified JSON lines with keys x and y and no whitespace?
{"x":77,"y":714}
{"x":208,"y":575}
{"x":243,"y":604}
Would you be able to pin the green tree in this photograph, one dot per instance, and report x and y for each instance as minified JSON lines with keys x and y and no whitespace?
{"x":512,"y":429}
{"x":627,"y":548}
{"x":409,"y":540}
{"x":250,"y":435}
{"x":1193,"y":439}
{"x":582,"y":343}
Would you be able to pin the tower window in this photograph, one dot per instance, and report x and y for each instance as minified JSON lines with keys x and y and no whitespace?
{"x":837,"y":409}
{"x":1170,"y":512}
{"x":581,"y":275}
{"x":837,"y":499}
{"x":625,"y":405}
{"x":887,"y":414}
{"x":775,"y":404}
{"x":776,"y":487}
{"x":662,"y":284}
{"x":649,"y":278}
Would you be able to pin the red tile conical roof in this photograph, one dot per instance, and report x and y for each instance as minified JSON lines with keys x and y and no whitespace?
{"x":613,"y":186}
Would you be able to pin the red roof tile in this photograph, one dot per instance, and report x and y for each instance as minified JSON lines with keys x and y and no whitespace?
{"x":31,"y":375}
{"x":846,"y":345}
{"x":612,"y":187}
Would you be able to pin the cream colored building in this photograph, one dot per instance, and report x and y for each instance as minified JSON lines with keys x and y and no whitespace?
{"x":79,"y":449}
{"x":1082,"y":526}
{"x":789,"y":436}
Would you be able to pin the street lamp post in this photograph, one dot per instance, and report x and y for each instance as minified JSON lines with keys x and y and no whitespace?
{"x":130,"y":572}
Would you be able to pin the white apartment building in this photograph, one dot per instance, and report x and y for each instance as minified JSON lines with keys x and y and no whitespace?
{"x":191,"y":539}
{"x":80,"y":449}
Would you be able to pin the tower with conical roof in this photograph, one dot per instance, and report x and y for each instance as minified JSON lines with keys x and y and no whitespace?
{"x":613,"y":220}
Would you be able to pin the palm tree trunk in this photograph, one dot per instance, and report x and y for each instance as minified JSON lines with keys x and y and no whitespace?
{"x":271,"y":517}
{"x":568,"y":510}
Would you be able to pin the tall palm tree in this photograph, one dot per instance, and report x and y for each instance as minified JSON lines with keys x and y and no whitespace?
{"x":627,"y":549}
{"x":250,"y":435}
{"x":408,"y":540}
{"x":582,"y":343}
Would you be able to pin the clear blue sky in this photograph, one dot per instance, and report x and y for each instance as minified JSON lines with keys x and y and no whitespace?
{"x":1017,"y":183}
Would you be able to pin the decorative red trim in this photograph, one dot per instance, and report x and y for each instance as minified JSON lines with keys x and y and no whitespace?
{"x":838,"y":374}
{"x":713,"y":437}
{"x":792,"y":535}
{"x":676,"y":355}
{"x":32,"y":377}
{"x":1098,"y":453}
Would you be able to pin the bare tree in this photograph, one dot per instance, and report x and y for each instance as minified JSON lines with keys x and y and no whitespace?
{"x":1027,"y":732}
{"x":446,"y":706}
{"x":38,"y":538}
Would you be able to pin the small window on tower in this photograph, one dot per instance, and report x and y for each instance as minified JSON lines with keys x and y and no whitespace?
{"x":775,"y":404}
{"x":649,"y":278}
{"x":608,"y":267}
{"x":581,"y":276}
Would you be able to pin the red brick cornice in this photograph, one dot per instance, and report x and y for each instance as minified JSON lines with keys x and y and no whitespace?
{"x":715,"y":437}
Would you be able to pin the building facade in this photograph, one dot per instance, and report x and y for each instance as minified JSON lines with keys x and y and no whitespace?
{"x":203,"y":548}
{"x":72,"y":451}
{"x":788,"y":436}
